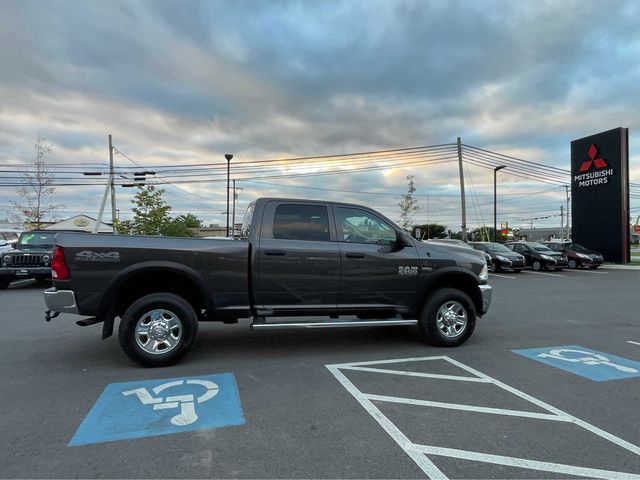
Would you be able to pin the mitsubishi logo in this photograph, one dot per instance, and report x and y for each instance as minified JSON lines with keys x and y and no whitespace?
{"x":598,"y":162}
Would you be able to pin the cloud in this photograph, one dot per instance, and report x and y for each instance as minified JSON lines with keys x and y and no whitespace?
{"x":184,"y":83}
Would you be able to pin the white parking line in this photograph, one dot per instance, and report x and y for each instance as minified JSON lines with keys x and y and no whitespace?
{"x":419,"y":452}
{"x":21,"y":281}
{"x":502,"y":276}
{"x":635,"y":343}
{"x":549,"y":274}
{"x":590,"y":272}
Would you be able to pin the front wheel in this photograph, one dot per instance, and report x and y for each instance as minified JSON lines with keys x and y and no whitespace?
{"x":4,"y":283}
{"x":537,"y":266}
{"x":158,"y":329}
{"x":573,"y":264}
{"x":448,"y":318}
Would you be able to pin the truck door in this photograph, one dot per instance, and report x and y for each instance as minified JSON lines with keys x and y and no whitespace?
{"x":298,"y":257}
{"x":376,"y":271}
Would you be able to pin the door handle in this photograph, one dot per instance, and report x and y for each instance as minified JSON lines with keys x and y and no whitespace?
{"x":275,"y":253}
{"x":354,"y":255}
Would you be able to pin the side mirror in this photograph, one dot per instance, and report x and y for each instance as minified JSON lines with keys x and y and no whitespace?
{"x":403,"y":240}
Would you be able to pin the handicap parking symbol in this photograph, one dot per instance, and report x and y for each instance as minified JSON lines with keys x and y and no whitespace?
{"x":161,"y":407}
{"x":585,"y":362}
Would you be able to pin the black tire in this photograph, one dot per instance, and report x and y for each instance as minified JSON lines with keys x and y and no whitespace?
{"x":4,"y":283}
{"x":428,"y":321}
{"x":573,"y":264}
{"x":177,"y":309}
{"x":492,"y":267}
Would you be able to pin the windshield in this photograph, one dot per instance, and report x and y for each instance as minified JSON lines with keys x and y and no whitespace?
{"x":497,"y":247}
{"x":37,"y":240}
{"x":538,"y":247}
{"x":576,"y":247}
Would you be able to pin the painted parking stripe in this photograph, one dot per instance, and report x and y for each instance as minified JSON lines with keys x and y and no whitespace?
{"x":420,"y":453}
{"x":502,"y":276}
{"x":544,"y":273}
{"x":631,"y":341}
{"x":591,"y":364}
{"x":161,"y":407}
{"x":589,"y":272}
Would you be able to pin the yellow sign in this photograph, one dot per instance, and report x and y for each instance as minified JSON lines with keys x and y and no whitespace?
{"x":81,"y":222}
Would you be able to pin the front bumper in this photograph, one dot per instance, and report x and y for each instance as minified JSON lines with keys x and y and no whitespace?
{"x":27,"y":272}
{"x":486,"y":292}
{"x":63,"y":301}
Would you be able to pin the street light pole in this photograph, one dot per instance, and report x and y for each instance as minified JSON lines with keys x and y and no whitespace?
{"x":228,"y":156}
{"x":495,"y":201}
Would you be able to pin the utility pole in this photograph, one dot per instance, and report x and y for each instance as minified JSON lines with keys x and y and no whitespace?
{"x":561,"y":221}
{"x":233,"y":218}
{"x":462,"y":199}
{"x":106,"y":193}
{"x":113,"y":188}
{"x":228,"y":156}
{"x":566,"y":189}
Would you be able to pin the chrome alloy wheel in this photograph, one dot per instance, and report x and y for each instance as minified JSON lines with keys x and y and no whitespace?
{"x":451,"y":319}
{"x":158,"y":331}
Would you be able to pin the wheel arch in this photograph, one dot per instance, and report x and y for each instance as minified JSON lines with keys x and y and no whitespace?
{"x":457,"y":278}
{"x":150,"y":277}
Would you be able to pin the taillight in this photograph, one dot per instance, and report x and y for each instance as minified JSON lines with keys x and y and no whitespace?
{"x":59,"y":267}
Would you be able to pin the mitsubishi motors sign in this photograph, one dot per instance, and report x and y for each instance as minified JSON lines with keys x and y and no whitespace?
{"x":600,"y":193}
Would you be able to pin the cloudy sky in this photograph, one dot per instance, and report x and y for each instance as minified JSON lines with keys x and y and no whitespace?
{"x":179,"y":84}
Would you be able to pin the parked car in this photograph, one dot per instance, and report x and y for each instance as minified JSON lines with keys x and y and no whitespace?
{"x":460,"y":243}
{"x":502,"y":258}
{"x":30,"y":258}
{"x":5,"y":246}
{"x":298,"y":258}
{"x":578,"y":255}
{"x":539,"y":257}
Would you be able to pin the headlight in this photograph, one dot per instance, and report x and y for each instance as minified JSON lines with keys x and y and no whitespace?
{"x":582,"y":255}
{"x":501,"y":258}
{"x":484,"y":273}
{"x":546,"y":257}
{"x":46,"y":258}
{"x":6,"y":258}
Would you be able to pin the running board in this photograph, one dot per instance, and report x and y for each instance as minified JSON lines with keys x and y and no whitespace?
{"x":331,"y":324}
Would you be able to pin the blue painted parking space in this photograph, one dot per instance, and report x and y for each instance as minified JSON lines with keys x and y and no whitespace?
{"x":591,"y":364}
{"x":161,"y":407}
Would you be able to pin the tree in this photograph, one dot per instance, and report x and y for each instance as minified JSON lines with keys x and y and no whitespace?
{"x":34,"y":205}
{"x":408,"y":205}
{"x":150,"y":214}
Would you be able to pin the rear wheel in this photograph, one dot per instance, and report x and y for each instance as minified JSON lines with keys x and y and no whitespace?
{"x":448,"y":318}
{"x":573,"y":264}
{"x":158,"y":329}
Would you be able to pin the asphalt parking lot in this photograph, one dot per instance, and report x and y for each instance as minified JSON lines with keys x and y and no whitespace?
{"x":346,"y":403}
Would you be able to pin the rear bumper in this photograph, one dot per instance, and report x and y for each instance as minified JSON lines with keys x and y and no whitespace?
{"x":63,"y":301}
{"x":486,"y":292}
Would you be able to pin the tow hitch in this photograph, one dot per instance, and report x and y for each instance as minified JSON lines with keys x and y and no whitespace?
{"x":48,"y":315}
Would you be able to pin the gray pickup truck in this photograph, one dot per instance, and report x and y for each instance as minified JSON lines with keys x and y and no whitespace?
{"x":297,"y":258}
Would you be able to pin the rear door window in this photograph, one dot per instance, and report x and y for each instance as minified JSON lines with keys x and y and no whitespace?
{"x":301,"y":222}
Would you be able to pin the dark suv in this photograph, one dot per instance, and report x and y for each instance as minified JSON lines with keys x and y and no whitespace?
{"x":501,"y":256}
{"x":578,"y":255}
{"x":538,"y":256}
{"x":30,"y":258}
